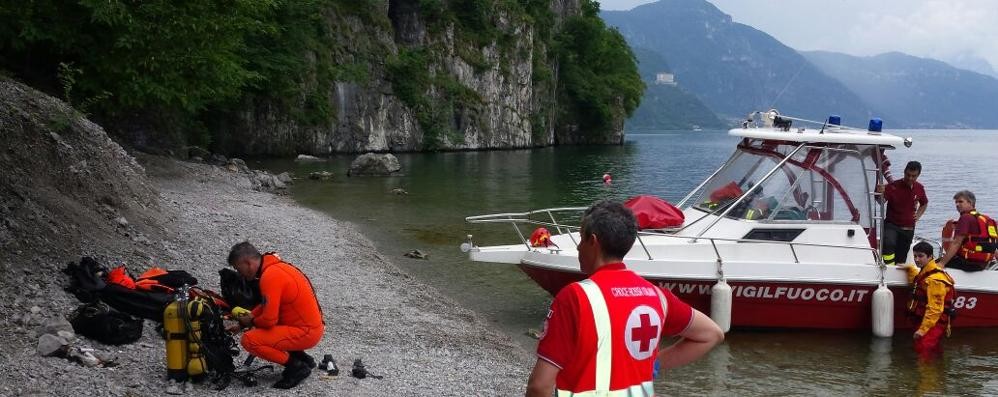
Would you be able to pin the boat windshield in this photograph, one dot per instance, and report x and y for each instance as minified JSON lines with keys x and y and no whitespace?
{"x":820,"y":182}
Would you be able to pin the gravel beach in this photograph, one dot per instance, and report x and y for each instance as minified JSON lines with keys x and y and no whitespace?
{"x":422,"y":342}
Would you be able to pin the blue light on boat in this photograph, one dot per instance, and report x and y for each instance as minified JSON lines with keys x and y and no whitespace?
{"x":834,"y":120}
{"x":876,"y":124}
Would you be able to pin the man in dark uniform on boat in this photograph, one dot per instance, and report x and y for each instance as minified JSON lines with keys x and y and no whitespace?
{"x":975,"y":237}
{"x":906,"y":202}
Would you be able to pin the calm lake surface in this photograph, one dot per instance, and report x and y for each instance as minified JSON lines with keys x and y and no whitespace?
{"x":443,"y":188}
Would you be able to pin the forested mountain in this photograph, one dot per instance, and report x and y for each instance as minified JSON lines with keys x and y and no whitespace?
{"x":919,"y":92}
{"x":733,"y":68}
{"x":667,"y":106}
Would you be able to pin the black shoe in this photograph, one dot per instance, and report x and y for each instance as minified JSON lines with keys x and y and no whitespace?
{"x":301,"y":355}
{"x":295,"y":371}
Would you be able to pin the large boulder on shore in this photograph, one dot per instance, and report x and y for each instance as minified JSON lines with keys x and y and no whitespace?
{"x":305,"y":158}
{"x":374,"y":164}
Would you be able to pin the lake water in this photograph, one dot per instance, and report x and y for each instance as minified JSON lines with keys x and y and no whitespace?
{"x":443,"y":188}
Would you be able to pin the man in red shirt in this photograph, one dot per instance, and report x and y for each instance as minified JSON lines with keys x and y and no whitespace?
{"x":602,"y":333}
{"x":974,"y":240}
{"x":906,"y":202}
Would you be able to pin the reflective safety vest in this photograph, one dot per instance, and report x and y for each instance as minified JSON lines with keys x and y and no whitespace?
{"x":605,"y":354}
{"x":920,"y":296}
{"x":980,"y":248}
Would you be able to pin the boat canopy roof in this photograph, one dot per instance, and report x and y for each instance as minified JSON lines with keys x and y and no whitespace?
{"x":829,"y":135}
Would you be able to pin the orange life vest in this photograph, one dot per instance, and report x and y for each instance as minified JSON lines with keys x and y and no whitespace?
{"x":980,"y":248}
{"x":920,"y":296}
{"x":541,"y":237}
{"x":147,"y":282}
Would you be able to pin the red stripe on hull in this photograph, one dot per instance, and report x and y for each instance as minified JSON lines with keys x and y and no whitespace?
{"x":796,"y":305}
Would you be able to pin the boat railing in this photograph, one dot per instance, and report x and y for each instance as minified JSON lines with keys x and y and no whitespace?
{"x":518,"y":218}
{"x":758,"y":122}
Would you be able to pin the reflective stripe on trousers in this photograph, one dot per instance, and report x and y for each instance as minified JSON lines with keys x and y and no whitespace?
{"x":604,"y":353}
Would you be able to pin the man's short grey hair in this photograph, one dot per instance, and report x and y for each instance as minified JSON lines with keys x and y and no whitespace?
{"x":966,"y":195}
{"x":613,"y":224}
{"x":242,"y":250}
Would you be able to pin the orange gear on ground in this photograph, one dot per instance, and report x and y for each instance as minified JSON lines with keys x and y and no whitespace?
{"x":120,"y":277}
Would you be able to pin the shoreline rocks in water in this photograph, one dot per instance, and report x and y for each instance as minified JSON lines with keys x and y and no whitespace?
{"x":374,"y":164}
{"x":305,"y":158}
{"x":321,"y":175}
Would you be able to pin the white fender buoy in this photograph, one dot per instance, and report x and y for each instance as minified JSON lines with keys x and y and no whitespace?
{"x":720,"y":305}
{"x":883,"y":312}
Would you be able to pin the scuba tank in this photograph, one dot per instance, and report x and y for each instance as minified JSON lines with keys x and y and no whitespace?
{"x":195,"y":360}
{"x":182,"y":326}
{"x":175,"y":330}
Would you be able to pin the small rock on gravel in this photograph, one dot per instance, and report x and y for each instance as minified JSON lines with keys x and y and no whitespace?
{"x":49,"y":345}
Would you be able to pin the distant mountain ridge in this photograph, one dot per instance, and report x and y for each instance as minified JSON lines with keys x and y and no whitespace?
{"x":733,"y":68}
{"x":972,"y":63}
{"x":918,"y":92}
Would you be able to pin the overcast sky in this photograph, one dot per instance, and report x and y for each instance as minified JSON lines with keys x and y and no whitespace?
{"x":945,"y":30}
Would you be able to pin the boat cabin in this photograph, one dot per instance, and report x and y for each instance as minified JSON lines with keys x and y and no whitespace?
{"x":795,"y":176}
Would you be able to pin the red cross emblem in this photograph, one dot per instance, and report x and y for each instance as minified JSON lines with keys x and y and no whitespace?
{"x":644,"y":333}
{"x":644,"y":328}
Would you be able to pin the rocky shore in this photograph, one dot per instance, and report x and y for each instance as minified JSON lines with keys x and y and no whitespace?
{"x":420,"y":341}
{"x":68,"y":191}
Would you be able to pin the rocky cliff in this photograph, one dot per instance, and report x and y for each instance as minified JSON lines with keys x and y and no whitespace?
{"x":423,"y":84}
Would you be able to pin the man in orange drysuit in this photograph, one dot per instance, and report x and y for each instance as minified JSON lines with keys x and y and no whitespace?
{"x":289,"y":319}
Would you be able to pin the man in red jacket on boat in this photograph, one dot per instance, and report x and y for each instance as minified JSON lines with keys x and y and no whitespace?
{"x":972,"y":246}
{"x":601,"y":334}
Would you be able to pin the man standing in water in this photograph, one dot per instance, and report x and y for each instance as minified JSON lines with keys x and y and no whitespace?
{"x":906,"y":202}
{"x":931,"y":305}
{"x":288,"y":321}
{"x":601,"y":334}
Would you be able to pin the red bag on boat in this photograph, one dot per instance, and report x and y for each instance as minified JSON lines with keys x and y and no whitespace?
{"x":730,"y":191}
{"x":655,"y":213}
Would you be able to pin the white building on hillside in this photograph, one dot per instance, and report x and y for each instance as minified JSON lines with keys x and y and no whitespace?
{"x":665,"y":78}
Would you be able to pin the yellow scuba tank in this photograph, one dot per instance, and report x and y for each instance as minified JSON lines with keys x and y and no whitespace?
{"x":175,"y":328}
{"x":195,"y":360}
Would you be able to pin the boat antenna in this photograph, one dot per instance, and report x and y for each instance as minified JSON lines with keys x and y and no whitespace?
{"x":789,"y":82}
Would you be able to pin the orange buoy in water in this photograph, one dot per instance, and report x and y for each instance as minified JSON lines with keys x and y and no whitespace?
{"x":948,"y":230}
{"x":540,"y":238}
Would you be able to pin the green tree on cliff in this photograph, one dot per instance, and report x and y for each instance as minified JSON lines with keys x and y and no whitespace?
{"x":599,"y":80}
